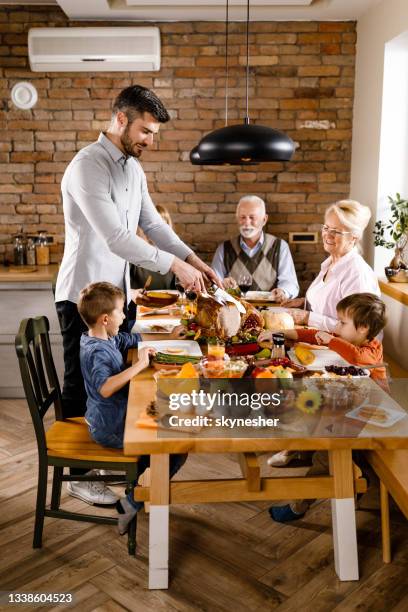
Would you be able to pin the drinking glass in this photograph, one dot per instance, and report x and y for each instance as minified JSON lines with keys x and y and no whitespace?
{"x":216,"y":350}
{"x":244,"y":283}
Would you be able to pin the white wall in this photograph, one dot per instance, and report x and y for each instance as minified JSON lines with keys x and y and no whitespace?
{"x":369,"y":176}
{"x":375,"y":28}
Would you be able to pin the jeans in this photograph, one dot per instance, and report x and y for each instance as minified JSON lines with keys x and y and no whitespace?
{"x":73,"y":390}
{"x":115,"y":440}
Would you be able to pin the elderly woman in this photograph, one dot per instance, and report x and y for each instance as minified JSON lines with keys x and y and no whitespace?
{"x":344,"y":272}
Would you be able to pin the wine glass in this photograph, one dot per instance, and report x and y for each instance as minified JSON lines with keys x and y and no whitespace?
{"x":244,"y":283}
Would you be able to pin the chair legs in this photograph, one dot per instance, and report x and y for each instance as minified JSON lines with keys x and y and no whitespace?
{"x":56,"y":500}
{"x":132,"y":525}
{"x":385,"y":523}
{"x":56,"y":488}
{"x":40,"y":506}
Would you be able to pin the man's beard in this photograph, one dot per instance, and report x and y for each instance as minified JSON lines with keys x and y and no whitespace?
{"x":249,"y":232}
{"x":129,"y":146}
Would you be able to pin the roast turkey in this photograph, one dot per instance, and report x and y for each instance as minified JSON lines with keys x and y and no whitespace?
{"x":224,"y":320}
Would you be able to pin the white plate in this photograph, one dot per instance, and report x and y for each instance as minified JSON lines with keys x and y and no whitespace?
{"x":322,"y":359}
{"x":145,"y":326}
{"x":393,"y":416}
{"x":258,"y":296}
{"x":189,"y":347}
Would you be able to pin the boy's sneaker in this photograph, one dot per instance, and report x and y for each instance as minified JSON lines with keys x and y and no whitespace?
{"x":126,"y":512}
{"x":92,"y":492}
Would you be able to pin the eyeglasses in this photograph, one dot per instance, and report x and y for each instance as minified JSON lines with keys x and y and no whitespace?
{"x":333,"y":232}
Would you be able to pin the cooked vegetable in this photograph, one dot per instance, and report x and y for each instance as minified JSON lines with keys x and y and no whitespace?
{"x":176,"y":359}
{"x":305,"y":356}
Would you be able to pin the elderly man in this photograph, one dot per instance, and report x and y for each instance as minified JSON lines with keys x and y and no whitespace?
{"x":266,"y":258}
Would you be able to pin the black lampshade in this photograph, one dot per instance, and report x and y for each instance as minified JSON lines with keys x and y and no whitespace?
{"x":243,"y":144}
{"x":196,"y":160}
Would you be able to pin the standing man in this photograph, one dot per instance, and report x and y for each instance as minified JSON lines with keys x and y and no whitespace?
{"x":105,"y":200}
{"x":266,"y":258}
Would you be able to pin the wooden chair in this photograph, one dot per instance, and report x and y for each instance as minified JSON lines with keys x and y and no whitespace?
{"x":66,"y":443}
{"x":391,"y":468}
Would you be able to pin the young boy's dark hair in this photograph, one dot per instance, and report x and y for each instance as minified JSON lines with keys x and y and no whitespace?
{"x":97,"y":299}
{"x":366,"y":310}
{"x":136,"y":100}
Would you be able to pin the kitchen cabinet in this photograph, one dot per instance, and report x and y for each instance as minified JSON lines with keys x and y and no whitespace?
{"x":22,"y":296}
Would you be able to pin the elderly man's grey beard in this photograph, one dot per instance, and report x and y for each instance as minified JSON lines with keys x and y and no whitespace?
{"x":249,"y":232}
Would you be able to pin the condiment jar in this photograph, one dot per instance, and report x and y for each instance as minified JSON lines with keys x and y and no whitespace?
{"x":42,"y":249}
{"x":278,"y":348}
{"x":30,"y":252}
{"x":19,"y":250}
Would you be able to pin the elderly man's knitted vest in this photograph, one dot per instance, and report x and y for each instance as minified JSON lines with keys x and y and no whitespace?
{"x":263,"y":266}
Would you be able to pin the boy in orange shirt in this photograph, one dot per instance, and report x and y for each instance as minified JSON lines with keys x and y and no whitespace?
{"x":361,"y":317}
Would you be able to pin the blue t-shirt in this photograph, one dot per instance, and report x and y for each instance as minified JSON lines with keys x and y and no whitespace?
{"x":101,"y":359}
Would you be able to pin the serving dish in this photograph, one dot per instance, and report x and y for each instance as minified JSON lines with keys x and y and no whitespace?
{"x":157,"y":298}
{"x":155,"y":326}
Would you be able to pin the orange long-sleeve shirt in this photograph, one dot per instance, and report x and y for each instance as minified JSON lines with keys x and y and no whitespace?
{"x":366,"y":354}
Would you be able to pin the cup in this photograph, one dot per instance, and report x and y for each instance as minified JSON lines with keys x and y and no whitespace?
{"x":215,"y":351}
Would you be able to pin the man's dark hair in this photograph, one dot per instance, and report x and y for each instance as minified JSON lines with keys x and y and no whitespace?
{"x":366,"y":310}
{"x":136,"y":100}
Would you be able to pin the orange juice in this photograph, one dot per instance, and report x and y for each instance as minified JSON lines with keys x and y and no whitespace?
{"x":216,"y":352}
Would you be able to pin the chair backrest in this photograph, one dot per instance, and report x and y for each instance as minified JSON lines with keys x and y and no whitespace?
{"x":38,"y":373}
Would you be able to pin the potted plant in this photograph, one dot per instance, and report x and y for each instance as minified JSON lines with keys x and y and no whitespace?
{"x":393,"y":234}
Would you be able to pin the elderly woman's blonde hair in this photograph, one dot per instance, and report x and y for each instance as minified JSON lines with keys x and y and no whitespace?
{"x":353,"y":215}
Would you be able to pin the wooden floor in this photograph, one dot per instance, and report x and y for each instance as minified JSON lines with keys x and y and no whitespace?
{"x":222,"y":557}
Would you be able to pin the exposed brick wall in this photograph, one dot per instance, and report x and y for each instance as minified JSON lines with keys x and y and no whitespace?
{"x":300,"y":72}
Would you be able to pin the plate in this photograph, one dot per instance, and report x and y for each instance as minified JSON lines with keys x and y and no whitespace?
{"x":392,"y":416}
{"x":148,"y":327}
{"x":322,"y":359}
{"x":180,"y":347}
{"x":258,"y":296}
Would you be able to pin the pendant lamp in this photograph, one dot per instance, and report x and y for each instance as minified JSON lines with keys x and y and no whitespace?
{"x":245,"y":143}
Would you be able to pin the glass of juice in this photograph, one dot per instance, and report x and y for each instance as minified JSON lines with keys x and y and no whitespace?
{"x":216,"y":350}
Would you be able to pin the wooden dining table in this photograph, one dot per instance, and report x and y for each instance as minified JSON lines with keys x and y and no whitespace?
{"x":332,"y":432}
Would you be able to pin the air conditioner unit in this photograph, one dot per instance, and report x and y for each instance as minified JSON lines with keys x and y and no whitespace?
{"x":94,"y":49}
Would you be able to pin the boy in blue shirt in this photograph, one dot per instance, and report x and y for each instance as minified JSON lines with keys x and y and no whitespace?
{"x":103,"y":364}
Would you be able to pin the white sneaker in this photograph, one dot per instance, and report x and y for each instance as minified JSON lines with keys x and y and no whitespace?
{"x":281,"y":459}
{"x":92,"y":492}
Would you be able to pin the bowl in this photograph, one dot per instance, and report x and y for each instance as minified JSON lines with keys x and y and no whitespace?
{"x":214,"y":368}
{"x":396,"y":275}
{"x":235,"y":368}
{"x":157,"y":299}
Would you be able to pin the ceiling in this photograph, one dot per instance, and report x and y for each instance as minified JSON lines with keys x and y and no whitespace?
{"x":207,"y":10}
